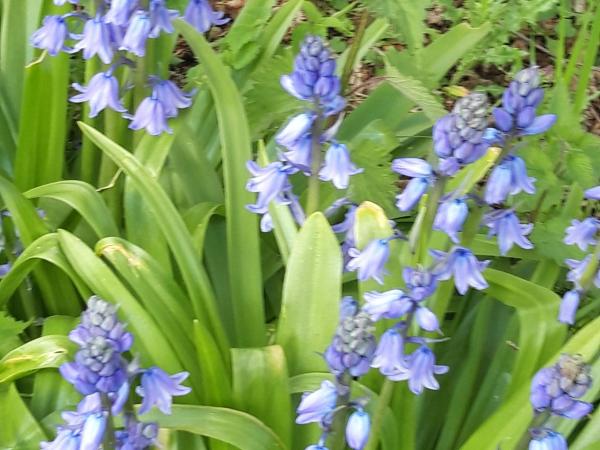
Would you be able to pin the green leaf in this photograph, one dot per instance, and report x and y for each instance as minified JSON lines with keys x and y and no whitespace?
{"x":40,"y":353}
{"x":83,"y":198}
{"x":311,"y":295}
{"x":10,"y":327}
{"x":173,"y":228}
{"x":19,"y":429}
{"x":260,"y":385}
{"x":242,"y":40}
{"x":416,"y":91}
{"x":242,"y":226}
{"x":234,"y":427}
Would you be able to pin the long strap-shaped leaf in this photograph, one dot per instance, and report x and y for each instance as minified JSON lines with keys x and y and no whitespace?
{"x":234,"y":427}
{"x":242,"y":227}
{"x":174,"y":229}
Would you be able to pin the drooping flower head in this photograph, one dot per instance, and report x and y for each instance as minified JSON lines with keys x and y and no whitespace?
{"x":158,"y":388}
{"x":315,"y":405}
{"x":357,"y":430}
{"x":556,"y":389}
{"x":138,"y":32}
{"x":101,"y":92}
{"x":505,"y":224}
{"x":422,"y":176}
{"x":462,"y":265}
{"x":370,"y":262}
{"x":451,"y":216}
{"x":508,"y":177}
{"x":582,"y":233}
{"x":547,"y":439}
{"x":52,"y":35}
{"x":201,"y":15}
{"x":419,"y":370}
{"x":271,"y":183}
{"x":96,"y":40}
{"x":458,"y":138}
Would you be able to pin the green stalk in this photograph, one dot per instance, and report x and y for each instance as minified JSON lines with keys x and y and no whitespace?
{"x":312,"y":201}
{"x":433,"y":201}
{"x":358,"y":37}
{"x":108,"y":443}
{"x":338,"y":440}
{"x":588,"y":62}
{"x":537,"y":421}
{"x":385,"y":395}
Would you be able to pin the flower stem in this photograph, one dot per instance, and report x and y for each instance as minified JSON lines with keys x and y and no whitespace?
{"x":537,"y":421}
{"x":385,"y":395}
{"x":358,"y":37}
{"x":338,"y":439}
{"x":312,"y":202}
{"x":108,"y":443}
{"x":433,"y":201}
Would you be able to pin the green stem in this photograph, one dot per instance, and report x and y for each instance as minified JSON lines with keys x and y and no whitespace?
{"x":537,"y":421}
{"x":385,"y":395}
{"x":358,"y":37}
{"x":314,"y":184}
{"x":588,"y":61}
{"x":425,"y":229}
{"x":108,"y":443}
{"x":338,"y":438}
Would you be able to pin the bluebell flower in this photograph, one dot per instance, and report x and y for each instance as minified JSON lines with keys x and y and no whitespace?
{"x":315,"y":405}
{"x":421,"y":283}
{"x":568,"y":307}
{"x":138,"y":31}
{"x":508,"y":177}
{"x":461,"y":264}
{"x":556,"y":389}
{"x":151,"y":115}
{"x":93,"y":430}
{"x":357,"y":430}
{"x":578,"y":269}
{"x":547,"y":439}
{"x":96,"y":40}
{"x":120,"y":11}
{"x":370,"y":262}
{"x":101,"y":92}
{"x":161,"y":18}
{"x":297,"y":128}
{"x":201,"y":16}
{"x":519,"y":103}
{"x":270,"y":182}
{"x":412,"y":193}
{"x":266,"y":223}
{"x":87,"y":425}
{"x":354,"y":344}
{"x":582,"y":233}
{"x":52,"y":35}
{"x":451,"y":216}
{"x":170,"y":96}
{"x":4,"y":269}
{"x":412,"y":167}
{"x":314,"y":76}
{"x":300,"y":154}
{"x":419,"y":371}
{"x":458,"y":137}
{"x":62,"y":2}
{"x":506,"y":226}
{"x":158,"y":389}
{"x":136,"y":435}
{"x":316,"y":447}
{"x":389,"y":355}
{"x":391,"y":304}
{"x":338,"y":167}
{"x":66,"y":439}
{"x":593,"y":193}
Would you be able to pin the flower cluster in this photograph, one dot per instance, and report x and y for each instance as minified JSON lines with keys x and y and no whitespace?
{"x":583,"y":274}
{"x":117,"y":33}
{"x":555,"y":391}
{"x":313,"y":81}
{"x":105,"y":377}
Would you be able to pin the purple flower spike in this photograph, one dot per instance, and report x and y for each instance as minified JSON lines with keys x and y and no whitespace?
{"x":138,"y":31}
{"x":420,"y":371}
{"x":357,"y":430}
{"x":96,"y":40}
{"x":52,"y":35}
{"x":461,"y":264}
{"x":370,"y":262}
{"x":158,"y":389}
{"x":412,"y":193}
{"x":151,"y":115}
{"x":338,"y":167}
{"x":451,"y":216}
{"x":120,"y":12}
{"x":201,"y":16}
{"x":582,"y":233}
{"x":271,"y":183}
{"x":101,"y":92}
{"x":505,"y":224}
{"x":389,"y":355}
{"x":316,"y":405}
